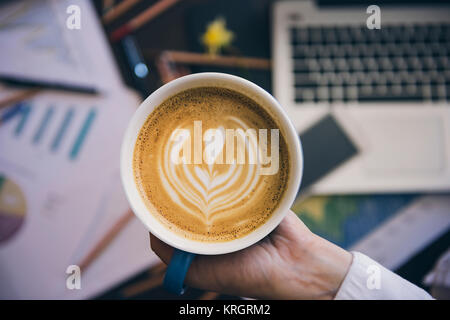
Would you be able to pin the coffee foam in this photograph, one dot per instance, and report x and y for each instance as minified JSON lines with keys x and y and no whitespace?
{"x":207,"y":202}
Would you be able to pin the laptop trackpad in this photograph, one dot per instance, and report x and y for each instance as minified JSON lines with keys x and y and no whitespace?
{"x":405,"y":145}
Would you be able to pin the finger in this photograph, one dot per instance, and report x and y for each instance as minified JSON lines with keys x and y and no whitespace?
{"x":293,"y":218}
{"x":163,"y":250}
{"x":292,"y":228}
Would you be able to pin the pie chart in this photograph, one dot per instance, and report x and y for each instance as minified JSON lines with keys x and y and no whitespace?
{"x":13,"y":208}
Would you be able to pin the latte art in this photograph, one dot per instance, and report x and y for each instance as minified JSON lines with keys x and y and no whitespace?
{"x":212,"y":186}
{"x":211,"y":164}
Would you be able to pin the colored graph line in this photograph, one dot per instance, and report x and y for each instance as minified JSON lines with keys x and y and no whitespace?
{"x":43,"y":126}
{"x":83,"y":133}
{"x":62,"y":129}
{"x":26,"y":109}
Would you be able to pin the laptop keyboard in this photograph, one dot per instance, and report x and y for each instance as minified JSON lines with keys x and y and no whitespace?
{"x":355,"y":64}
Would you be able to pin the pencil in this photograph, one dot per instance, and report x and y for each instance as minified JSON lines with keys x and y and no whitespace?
{"x":141,"y":19}
{"x":170,"y":63}
{"x":143,"y":286}
{"x":217,"y":60}
{"x":19,"y":96}
{"x":118,"y":10}
{"x":44,"y":84}
{"x":106,"y":240}
{"x":155,"y":279}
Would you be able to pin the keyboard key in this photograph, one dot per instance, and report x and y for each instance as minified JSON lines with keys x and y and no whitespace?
{"x":304,"y":95}
{"x":361,"y":78}
{"x":381,"y":90}
{"x":343,"y":35}
{"x":436,"y":78}
{"x":378,"y":78}
{"x":423,"y":49}
{"x":326,"y":65}
{"x":301,"y":65}
{"x":428,"y":63}
{"x":351,"y":93}
{"x":396,"y":89}
{"x":399,"y":64}
{"x":346,"y":51}
{"x":387,"y":36}
{"x":384,"y":64}
{"x":437,"y":49}
{"x":300,"y":36}
{"x":411,"y":89}
{"x":322,"y":94}
{"x":438,"y":93}
{"x":300,"y":51}
{"x":305,"y":80}
{"x":314,"y":51}
{"x":426,"y":91}
{"x":413,"y":64}
{"x":366,"y":90}
{"x":407,"y":33}
{"x":315,"y":35}
{"x":356,"y":51}
{"x":356,"y":35}
{"x":379,"y":50}
{"x":329,"y":36}
{"x":356,"y":65}
{"x":321,"y":51}
{"x":349,"y":79}
{"x":388,"y":97}
{"x":336,"y":51}
{"x":337,"y":93}
{"x":434,"y":33}
{"x":408,"y":50}
{"x":392,"y":78}
{"x":409,"y":77}
{"x":370,"y":64}
{"x":341,"y":64}
{"x":335,"y":79}
{"x":420,"y":33}
{"x":373,"y":36}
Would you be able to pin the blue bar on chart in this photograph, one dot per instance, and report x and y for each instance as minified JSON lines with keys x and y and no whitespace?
{"x":11,"y":112}
{"x":25,"y":110}
{"x":82,"y":134}
{"x":62,"y":129}
{"x":44,"y":124}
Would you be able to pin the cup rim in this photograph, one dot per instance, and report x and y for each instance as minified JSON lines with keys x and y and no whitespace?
{"x":135,"y":200}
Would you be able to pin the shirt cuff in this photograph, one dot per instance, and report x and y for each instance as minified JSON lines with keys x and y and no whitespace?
{"x":368,"y":280}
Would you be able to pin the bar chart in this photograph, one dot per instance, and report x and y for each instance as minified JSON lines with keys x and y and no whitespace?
{"x":46,"y":117}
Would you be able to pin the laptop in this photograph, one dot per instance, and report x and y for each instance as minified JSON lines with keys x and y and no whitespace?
{"x":388,"y":88}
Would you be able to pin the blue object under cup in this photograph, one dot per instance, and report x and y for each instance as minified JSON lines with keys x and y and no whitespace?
{"x":176,"y":271}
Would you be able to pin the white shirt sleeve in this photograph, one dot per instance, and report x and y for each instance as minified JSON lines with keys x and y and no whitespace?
{"x":368,"y":280}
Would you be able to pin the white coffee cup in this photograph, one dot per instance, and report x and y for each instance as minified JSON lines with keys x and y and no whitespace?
{"x":250,"y":90}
